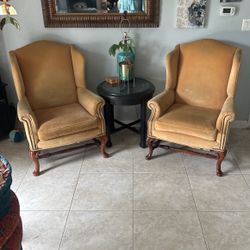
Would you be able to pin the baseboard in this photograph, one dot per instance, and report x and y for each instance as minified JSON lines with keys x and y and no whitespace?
{"x":241,"y":124}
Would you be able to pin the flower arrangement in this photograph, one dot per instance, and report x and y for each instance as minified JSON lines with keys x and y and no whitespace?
{"x":125,"y":57}
{"x":126,"y":45}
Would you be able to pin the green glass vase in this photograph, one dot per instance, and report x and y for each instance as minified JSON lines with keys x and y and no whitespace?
{"x":125,"y":66}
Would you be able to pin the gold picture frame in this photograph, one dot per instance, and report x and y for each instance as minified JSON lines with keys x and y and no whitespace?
{"x":147,"y":18}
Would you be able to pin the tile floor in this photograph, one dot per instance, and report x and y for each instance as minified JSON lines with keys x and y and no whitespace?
{"x":82,"y":201}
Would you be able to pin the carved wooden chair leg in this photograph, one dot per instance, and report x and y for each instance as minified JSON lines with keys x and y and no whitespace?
{"x":221,"y":156}
{"x":34,"y":156}
{"x":103,"y":140}
{"x":151,"y":147}
{"x":156,"y":143}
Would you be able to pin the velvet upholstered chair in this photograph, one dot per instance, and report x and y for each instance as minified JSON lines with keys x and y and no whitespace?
{"x":197,"y":105}
{"x":54,"y":104}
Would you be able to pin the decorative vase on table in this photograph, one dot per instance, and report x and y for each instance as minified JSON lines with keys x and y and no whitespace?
{"x":125,"y":58}
{"x":125,"y":66}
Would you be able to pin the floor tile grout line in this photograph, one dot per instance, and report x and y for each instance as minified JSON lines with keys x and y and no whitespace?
{"x":26,"y":173}
{"x":234,"y":158}
{"x":85,"y":173}
{"x":64,"y":228}
{"x":192,"y":211}
{"x":66,"y":221}
{"x":197,"y":212}
{"x":246,"y":181}
{"x":198,"y":216}
{"x":142,"y":210}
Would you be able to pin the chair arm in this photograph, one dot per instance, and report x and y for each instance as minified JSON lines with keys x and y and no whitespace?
{"x":25,"y":113}
{"x":90,"y":101}
{"x":27,"y":116}
{"x":161,"y":103}
{"x":227,"y":113}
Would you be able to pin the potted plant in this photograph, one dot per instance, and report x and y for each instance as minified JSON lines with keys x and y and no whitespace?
{"x":125,"y":58}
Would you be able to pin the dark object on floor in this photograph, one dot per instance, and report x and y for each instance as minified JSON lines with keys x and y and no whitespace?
{"x":7,"y":119}
{"x":16,"y":135}
{"x":7,"y":112}
{"x":3,"y":95}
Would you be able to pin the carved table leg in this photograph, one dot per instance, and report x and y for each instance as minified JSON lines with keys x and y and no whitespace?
{"x":143,"y":125}
{"x":109,"y":120}
{"x":103,"y":139}
{"x":34,"y":156}
{"x":150,"y":142}
{"x":221,"y":156}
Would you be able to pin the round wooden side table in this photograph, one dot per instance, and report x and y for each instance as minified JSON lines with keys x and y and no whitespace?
{"x":131,"y":93}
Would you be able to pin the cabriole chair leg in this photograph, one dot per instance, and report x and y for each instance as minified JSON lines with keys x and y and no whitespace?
{"x":103,"y":140}
{"x":34,"y":156}
{"x":150,"y":143}
{"x":220,"y":157}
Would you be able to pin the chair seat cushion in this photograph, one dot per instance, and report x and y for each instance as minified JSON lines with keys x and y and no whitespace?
{"x":64,"y":120}
{"x":189,"y":120}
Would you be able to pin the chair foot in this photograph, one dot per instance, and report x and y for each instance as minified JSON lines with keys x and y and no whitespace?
{"x":151,"y":147}
{"x":103,"y":140}
{"x":220,"y":157}
{"x":34,"y":157}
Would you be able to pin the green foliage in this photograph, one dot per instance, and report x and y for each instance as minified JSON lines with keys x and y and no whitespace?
{"x":11,"y":20}
{"x":126,"y":46}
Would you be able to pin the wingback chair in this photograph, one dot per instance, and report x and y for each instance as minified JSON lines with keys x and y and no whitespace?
{"x":54,"y":104}
{"x":197,"y":105}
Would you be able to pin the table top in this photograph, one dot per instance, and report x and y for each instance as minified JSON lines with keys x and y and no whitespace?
{"x":127,"y":93}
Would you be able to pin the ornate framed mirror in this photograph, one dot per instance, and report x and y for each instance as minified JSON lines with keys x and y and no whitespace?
{"x":100,"y":13}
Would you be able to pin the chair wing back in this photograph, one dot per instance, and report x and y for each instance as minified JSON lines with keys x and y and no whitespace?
{"x":205,"y":68}
{"x":43,"y":72}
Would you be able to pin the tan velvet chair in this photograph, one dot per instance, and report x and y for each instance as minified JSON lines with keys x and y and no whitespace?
{"x":54,"y":104}
{"x":197,"y":105}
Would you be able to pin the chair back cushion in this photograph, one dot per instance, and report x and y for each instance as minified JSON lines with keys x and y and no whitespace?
{"x":204,"y":70}
{"x":47,"y":73}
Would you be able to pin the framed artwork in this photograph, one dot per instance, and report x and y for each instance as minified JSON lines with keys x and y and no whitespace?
{"x":191,"y":13}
